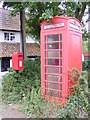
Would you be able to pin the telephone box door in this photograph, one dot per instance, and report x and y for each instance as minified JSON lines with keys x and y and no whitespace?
{"x":53,"y":65}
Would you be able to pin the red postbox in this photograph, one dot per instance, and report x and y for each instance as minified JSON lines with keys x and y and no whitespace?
{"x":17,"y":61}
{"x":61,"y":50}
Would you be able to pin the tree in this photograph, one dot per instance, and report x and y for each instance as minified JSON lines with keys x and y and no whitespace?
{"x":19,"y":7}
{"x":40,"y":11}
{"x":35,"y":11}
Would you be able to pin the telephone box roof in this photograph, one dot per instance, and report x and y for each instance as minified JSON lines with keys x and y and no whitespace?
{"x":63,"y":17}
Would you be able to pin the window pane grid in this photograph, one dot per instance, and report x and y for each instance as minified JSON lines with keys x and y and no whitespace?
{"x":9,"y":36}
{"x":53,"y":65}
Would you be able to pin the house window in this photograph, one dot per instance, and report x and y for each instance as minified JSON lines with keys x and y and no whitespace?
{"x":6,"y":36}
{"x":9,"y":36}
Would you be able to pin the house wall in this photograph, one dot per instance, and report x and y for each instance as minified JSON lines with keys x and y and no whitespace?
{"x":88,"y":26}
{"x":17,"y":37}
{"x":30,"y":40}
{"x":82,"y":57}
{"x":0,"y":65}
{"x":86,"y":58}
{"x":10,"y":62}
{"x":1,"y":36}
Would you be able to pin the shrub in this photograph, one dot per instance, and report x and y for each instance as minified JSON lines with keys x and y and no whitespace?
{"x":76,"y":105}
{"x":77,"y":102}
{"x":27,"y":90}
{"x":85,"y":65}
{"x":14,"y":89}
{"x":39,"y":107}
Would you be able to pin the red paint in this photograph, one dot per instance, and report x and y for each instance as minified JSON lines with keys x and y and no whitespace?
{"x":17,"y":61}
{"x":61,"y":50}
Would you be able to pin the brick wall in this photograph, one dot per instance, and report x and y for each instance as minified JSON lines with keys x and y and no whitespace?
{"x":7,"y":49}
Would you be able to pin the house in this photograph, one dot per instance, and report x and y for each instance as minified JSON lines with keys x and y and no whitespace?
{"x":86,"y":55}
{"x":10,"y":40}
{"x":89,"y":19}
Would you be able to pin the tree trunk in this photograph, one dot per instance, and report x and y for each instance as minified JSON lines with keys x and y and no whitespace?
{"x":22,"y":33}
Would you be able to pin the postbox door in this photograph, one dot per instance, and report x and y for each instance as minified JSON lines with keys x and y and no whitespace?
{"x":53,"y":65}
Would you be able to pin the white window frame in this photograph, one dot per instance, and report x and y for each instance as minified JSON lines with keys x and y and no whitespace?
{"x":10,"y":36}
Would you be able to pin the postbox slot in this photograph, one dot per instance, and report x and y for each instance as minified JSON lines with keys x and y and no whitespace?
{"x":20,"y":55}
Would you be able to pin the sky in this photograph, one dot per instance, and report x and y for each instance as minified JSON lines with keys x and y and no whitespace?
{"x":1,"y":3}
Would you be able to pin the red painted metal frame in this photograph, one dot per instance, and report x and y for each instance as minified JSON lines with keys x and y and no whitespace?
{"x":71,"y":54}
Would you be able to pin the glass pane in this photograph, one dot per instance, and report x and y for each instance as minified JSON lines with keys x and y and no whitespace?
{"x":53,"y":86}
{"x":53,"y":78}
{"x":45,"y":38}
{"x":60,"y":62}
{"x":45,"y":45}
{"x":12,"y":38}
{"x":60,"y":70}
{"x":45,"y":85}
{"x":60,"y":53}
{"x":53,"y":62}
{"x":45,"y":53}
{"x":60,"y":45}
{"x":6,"y":36}
{"x":45,"y":76}
{"x":60,"y":94}
{"x":53,"y":54}
{"x":60,"y":37}
{"x":60,"y":86}
{"x":53,"y":70}
{"x":45,"y":91}
{"x":53,"y":38}
{"x":53,"y":93}
{"x":12,"y":34}
{"x":45,"y":61}
{"x":60,"y":78}
{"x":45,"y":69}
{"x":53,"y":45}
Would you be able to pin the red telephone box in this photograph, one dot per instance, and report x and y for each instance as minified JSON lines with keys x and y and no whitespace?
{"x":17,"y":61}
{"x":61,"y":50}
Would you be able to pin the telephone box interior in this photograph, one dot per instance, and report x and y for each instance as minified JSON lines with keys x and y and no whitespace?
{"x":61,"y":50}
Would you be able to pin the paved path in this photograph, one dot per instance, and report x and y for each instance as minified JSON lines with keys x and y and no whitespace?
{"x":12,"y":110}
{"x":1,"y":74}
